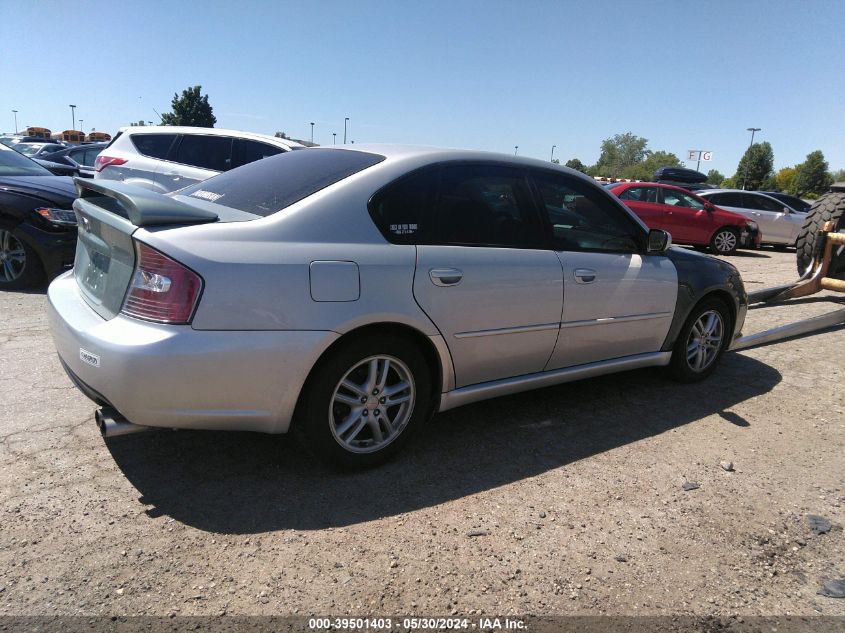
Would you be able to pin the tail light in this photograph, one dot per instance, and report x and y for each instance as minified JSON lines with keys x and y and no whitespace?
{"x":101,"y":162}
{"x":162,"y":289}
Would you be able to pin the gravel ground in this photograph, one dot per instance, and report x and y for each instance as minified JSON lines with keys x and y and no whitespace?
{"x":567,"y":500}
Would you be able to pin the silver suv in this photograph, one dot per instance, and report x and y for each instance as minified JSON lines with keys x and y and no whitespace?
{"x":167,"y":158}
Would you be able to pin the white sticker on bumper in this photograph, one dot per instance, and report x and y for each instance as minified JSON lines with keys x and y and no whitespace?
{"x":87,"y":357}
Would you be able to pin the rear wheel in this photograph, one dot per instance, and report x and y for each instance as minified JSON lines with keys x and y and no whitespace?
{"x":362,"y":403}
{"x":701,"y":341}
{"x":19,"y":264}
{"x":725,"y":241}
{"x":828,"y":208}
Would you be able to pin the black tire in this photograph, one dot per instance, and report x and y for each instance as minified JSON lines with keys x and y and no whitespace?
{"x":20,"y":266}
{"x":319,"y":415}
{"x":830,"y":207}
{"x":725,"y":241}
{"x":681,"y":368}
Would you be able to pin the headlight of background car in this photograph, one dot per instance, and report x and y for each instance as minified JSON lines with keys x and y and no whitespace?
{"x":60,"y":217}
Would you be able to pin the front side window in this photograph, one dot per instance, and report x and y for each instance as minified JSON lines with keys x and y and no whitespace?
{"x":582,"y":218}
{"x":153,"y":145}
{"x":205,"y":152}
{"x":761,"y":203}
{"x":681,"y":199}
{"x":485,"y":205}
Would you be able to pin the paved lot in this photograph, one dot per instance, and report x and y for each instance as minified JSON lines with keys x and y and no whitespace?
{"x":574,"y":492}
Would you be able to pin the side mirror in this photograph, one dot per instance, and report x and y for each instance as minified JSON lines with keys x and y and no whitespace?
{"x":708,"y":206}
{"x":659,"y":241}
{"x":787,"y":210}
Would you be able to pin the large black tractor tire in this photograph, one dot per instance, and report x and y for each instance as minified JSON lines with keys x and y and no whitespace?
{"x":830,"y":207}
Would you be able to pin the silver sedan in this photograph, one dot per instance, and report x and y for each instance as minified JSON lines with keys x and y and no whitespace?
{"x":353,"y":293}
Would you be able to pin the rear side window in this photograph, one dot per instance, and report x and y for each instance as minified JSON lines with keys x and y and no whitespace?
{"x":639,"y":194}
{"x":267,"y":186}
{"x":152,"y":145}
{"x":248,"y":151}
{"x":727,"y":199}
{"x":485,"y":205}
{"x":205,"y":152}
{"x":398,"y":209}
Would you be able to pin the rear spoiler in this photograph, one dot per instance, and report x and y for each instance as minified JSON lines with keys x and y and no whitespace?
{"x":140,"y":206}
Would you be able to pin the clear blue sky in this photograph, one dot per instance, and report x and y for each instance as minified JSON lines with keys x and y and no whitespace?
{"x":473,"y":74}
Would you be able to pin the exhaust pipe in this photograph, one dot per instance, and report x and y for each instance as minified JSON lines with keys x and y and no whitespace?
{"x":112,"y":424}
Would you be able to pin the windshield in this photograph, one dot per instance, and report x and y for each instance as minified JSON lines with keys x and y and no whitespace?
{"x":28,"y":149}
{"x":13,"y":164}
{"x":271,"y":184}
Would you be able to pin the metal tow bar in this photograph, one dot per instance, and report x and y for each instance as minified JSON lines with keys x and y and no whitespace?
{"x":811,"y":283}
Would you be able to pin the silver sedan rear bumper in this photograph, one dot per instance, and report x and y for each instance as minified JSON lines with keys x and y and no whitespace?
{"x":177,"y":377}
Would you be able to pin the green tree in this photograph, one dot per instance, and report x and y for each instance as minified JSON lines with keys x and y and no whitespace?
{"x":620,"y":152}
{"x":715,"y":177}
{"x":755,"y":165}
{"x":729,"y":183}
{"x":770,"y":183}
{"x":281,"y":135}
{"x":838,"y":175}
{"x":190,"y":109}
{"x":813,"y":176}
{"x":574,"y":163}
{"x":644,"y":170}
{"x":785,"y":178}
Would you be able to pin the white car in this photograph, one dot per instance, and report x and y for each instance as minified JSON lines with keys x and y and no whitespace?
{"x":167,"y":158}
{"x":779,"y":223}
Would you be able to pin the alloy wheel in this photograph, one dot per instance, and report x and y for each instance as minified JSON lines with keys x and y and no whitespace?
{"x":372,"y":404}
{"x":725,"y":241}
{"x":705,"y":340}
{"x":12,"y":257}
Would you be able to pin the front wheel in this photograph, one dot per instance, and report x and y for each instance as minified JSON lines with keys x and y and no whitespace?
{"x":701,"y":341}
{"x":363,"y":402}
{"x":725,"y":241}
{"x":19,"y":264}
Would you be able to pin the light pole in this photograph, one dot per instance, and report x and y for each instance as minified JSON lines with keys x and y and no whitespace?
{"x":334,"y":138}
{"x":552,"y":157}
{"x":344,"y":129}
{"x":81,"y":127}
{"x":16,"y":120}
{"x":745,"y":175}
{"x":312,"y":132}
{"x":73,"y":114}
{"x":515,"y":149}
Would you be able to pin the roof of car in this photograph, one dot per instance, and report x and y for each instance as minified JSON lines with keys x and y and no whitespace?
{"x":206,"y":131}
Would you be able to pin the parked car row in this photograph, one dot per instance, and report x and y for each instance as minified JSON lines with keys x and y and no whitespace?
{"x":701,"y":215}
{"x":689,"y":218}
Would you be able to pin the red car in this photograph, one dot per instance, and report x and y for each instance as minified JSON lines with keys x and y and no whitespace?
{"x":688,"y":218}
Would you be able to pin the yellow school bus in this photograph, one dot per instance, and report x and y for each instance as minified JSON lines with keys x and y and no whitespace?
{"x":98,"y":137}
{"x":69,"y":136}
{"x":40,"y":132}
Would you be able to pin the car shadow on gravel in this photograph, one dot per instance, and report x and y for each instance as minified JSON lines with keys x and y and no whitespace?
{"x":240,"y":483}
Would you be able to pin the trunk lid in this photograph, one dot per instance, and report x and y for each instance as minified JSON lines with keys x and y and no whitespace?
{"x":107,"y":216}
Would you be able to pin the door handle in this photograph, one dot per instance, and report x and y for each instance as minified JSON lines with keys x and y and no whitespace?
{"x":445,"y":276}
{"x":585,"y":275}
